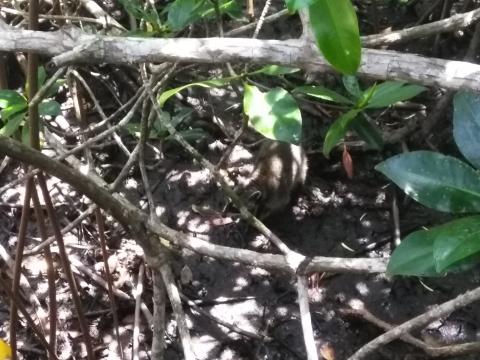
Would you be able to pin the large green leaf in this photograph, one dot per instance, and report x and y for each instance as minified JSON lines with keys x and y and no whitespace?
{"x":275,"y":70}
{"x":365,"y":97}
{"x":449,"y":247}
{"x":338,"y":130}
{"x":335,"y":26}
{"x":274,"y":114}
{"x":11,"y":98}
{"x":390,"y":92}
{"x":414,"y":256}
{"x":8,"y":112}
{"x":135,"y":9}
{"x":350,"y":82}
{"x":49,"y":107}
{"x":441,"y":182}
{"x":41,"y":77}
{"x":12,"y":124}
{"x":182,"y":13}
{"x":456,"y":241}
{"x":294,"y":5}
{"x":230,"y":7}
{"x":466,"y":125}
{"x":323,"y":93}
{"x":368,"y":132}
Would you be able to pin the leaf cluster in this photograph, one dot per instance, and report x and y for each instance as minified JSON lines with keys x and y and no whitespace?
{"x":447,"y":184}
{"x":14,"y":107}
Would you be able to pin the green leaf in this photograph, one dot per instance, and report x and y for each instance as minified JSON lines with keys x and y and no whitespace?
{"x":368,"y":132}
{"x":390,"y":92}
{"x":12,"y":124}
{"x":184,"y":12}
{"x":206,"y":84}
{"x":133,"y":129}
{"x":275,"y":70}
{"x":49,"y":107}
{"x":10,"y":98}
{"x":176,"y":120}
{"x":235,"y":11}
{"x":41,"y":77}
{"x":230,"y":7}
{"x":450,"y":247}
{"x":338,"y":130}
{"x":8,"y":112}
{"x":274,"y":114}
{"x":141,"y":33}
{"x":456,"y":241}
{"x":133,"y":7}
{"x":323,"y":93}
{"x":466,"y":126}
{"x":440,"y":182}
{"x":365,"y":97}
{"x":351,"y":84}
{"x":293,"y":5}
{"x":53,"y":89}
{"x":414,"y":256}
{"x":335,"y":26}
{"x":182,"y":115}
{"x":136,"y":9}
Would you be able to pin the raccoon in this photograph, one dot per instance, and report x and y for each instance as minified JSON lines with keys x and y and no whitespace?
{"x":279,"y":169}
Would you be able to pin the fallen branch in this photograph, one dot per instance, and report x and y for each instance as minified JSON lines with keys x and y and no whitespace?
{"x":417,"y":322}
{"x":70,"y":45}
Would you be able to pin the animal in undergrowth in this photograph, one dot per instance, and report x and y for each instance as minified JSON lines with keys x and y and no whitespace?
{"x":279,"y":169}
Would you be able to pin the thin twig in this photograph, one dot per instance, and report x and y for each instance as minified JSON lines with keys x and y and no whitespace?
{"x":108,"y":276}
{"x":441,"y":105}
{"x":100,"y":21}
{"x":455,"y":22}
{"x":159,"y":304}
{"x":52,"y":293}
{"x":305,"y":317}
{"x":231,"y":146}
{"x":144,"y":132}
{"x":417,"y":322}
{"x":229,"y":326}
{"x":252,"y":25}
{"x":176,"y":302}
{"x":261,"y":19}
{"x":66,"y":266}
{"x":22,"y":233}
{"x":83,"y":270}
{"x":100,"y":111}
{"x":33,"y":122}
{"x":136,"y":322}
{"x":6,"y":289}
{"x":450,"y":350}
{"x":126,"y":119}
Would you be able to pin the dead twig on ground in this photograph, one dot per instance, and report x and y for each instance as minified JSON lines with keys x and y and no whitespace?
{"x":417,"y":322}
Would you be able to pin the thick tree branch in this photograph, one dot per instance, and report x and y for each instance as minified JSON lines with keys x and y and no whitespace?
{"x":72,"y":46}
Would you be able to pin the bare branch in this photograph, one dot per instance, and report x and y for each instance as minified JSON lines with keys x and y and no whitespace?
{"x":72,"y":46}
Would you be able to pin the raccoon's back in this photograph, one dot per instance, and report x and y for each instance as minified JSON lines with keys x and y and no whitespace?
{"x":279,"y":168}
